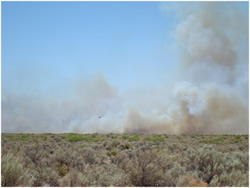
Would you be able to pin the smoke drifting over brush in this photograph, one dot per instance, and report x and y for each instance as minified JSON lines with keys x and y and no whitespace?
{"x":209,"y":97}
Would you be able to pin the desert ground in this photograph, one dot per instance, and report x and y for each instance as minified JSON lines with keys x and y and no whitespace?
{"x":71,"y":159}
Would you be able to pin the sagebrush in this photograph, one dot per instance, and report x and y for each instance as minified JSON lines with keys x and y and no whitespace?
{"x":124,"y":160}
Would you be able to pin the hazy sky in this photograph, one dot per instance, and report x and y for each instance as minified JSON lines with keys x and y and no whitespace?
{"x":66,"y":63}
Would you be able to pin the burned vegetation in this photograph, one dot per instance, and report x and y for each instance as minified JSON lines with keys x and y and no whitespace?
{"x":124,"y":160}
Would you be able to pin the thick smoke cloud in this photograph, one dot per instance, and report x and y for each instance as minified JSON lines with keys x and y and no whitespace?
{"x":213,"y":96}
{"x":209,"y":97}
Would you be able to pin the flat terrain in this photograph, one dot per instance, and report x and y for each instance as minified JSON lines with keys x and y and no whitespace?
{"x":124,"y":160}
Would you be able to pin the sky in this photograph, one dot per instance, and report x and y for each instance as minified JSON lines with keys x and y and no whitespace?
{"x":48,"y":44}
{"x":148,"y":67}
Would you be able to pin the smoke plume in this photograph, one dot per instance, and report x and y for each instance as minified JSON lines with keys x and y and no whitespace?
{"x":210,"y":95}
{"x":213,"y":96}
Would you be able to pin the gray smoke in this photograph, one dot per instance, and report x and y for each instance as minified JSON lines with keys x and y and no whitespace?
{"x":210,"y":95}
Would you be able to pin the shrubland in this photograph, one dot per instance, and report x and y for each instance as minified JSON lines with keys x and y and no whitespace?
{"x":124,"y":160}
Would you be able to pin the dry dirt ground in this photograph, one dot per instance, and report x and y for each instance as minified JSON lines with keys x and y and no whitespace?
{"x":124,"y":160}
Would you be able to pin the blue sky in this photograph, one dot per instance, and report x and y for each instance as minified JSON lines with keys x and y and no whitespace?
{"x":53,"y":44}
{"x":48,"y":46}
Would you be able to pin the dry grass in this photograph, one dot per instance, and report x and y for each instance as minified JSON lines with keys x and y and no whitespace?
{"x":189,"y":181}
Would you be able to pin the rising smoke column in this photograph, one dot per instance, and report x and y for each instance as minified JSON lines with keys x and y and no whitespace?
{"x":213,"y":96}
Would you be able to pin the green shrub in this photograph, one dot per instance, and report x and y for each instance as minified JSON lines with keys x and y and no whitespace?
{"x":62,"y":169}
{"x":235,"y":140}
{"x":158,"y":139}
{"x":213,"y":141}
{"x":134,"y":138}
{"x":237,"y":136}
{"x":111,"y":135}
{"x":73,"y":137}
{"x":114,"y":136}
{"x":63,"y":137}
{"x":125,"y":137}
{"x":11,"y":138}
{"x":126,"y":146}
{"x":131,"y":138}
{"x":23,"y":138}
{"x":154,"y":139}
{"x":112,"y":153}
{"x":96,"y":140}
{"x":44,"y":137}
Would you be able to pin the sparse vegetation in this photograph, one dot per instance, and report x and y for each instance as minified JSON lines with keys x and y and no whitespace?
{"x":124,"y":160}
{"x":235,"y":139}
{"x":214,"y":140}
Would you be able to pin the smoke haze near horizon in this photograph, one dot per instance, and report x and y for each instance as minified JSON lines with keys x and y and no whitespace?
{"x":207,"y":95}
